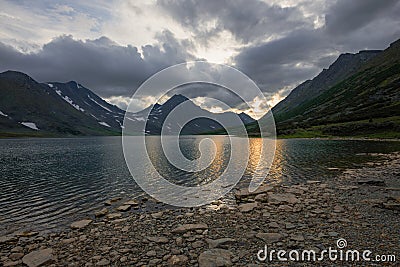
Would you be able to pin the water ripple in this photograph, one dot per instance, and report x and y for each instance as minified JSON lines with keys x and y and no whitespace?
{"x":47,"y":183}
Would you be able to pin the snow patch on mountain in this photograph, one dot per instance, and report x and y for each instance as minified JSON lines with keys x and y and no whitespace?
{"x":69,"y":100}
{"x":120,"y":124}
{"x":104,"y":123}
{"x":30,"y":125}
{"x":99,"y":104}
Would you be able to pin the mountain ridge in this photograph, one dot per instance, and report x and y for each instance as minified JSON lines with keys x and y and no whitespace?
{"x":366,"y":103}
{"x":30,"y":108}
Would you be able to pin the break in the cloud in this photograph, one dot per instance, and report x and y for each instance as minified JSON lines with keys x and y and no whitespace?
{"x":113,"y":46}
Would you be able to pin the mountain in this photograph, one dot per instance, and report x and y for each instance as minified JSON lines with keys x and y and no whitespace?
{"x":204,"y":121}
{"x":30,"y":108}
{"x":357,"y":98}
{"x":89,"y":103}
{"x":344,"y":66}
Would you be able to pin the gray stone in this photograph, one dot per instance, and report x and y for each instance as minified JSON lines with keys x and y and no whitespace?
{"x":273,"y":225}
{"x":289,"y":226}
{"x":110,"y":201}
{"x":80,"y":224}
{"x":317,"y":211}
{"x":333,"y":234}
{"x":197,"y":244}
{"x":103,"y":262}
{"x":151,"y":253}
{"x":246,"y":207}
{"x":16,"y":256}
{"x":215,"y":257}
{"x":297,"y":238}
{"x":7,"y":239}
{"x":189,"y":227}
{"x":178,"y":260}
{"x":27,"y":234}
{"x":17,"y":249}
{"x":68,"y":241}
{"x":157,"y":215}
{"x":179,"y":241}
{"x":11,"y":263}
{"x":269,"y":237}
{"x":158,"y":239}
{"x":261,"y":197}
{"x":277,"y":198}
{"x":338,"y":209}
{"x":244,"y":193}
{"x":217,"y":243}
{"x":101,"y":212}
{"x":124,"y":208}
{"x":38,"y":257}
{"x":132,"y":202}
{"x":112,"y":216}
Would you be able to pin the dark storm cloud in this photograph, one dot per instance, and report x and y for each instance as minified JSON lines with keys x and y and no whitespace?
{"x":278,"y":47}
{"x":102,"y":65}
{"x":367,"y":24}
{"x":299,"y":48}
{"x":246,"y":20}
{"x":347,"y":16}
{"x":285,"y":61}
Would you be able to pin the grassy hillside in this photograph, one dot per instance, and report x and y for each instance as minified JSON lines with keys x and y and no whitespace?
{"x":366,"y":104}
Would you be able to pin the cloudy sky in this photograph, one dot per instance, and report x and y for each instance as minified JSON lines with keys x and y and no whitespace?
{"x":113,"y":46}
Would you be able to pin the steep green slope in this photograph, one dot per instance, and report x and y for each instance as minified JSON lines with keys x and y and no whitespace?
{"x":344,"y":66}
{"x":365,"y":104}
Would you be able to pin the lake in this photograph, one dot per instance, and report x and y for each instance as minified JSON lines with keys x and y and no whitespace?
{"x":47,"y":183}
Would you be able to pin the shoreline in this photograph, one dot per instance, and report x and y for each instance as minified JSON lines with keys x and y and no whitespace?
{"x":343,"y":138}
{"x":361,"y":206}
{"x":338,"y":138}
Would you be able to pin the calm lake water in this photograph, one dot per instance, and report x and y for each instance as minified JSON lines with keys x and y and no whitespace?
{"x":47,"y":183}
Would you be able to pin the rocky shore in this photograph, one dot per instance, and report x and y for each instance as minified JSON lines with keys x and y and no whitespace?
{"x":361,"y":206}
